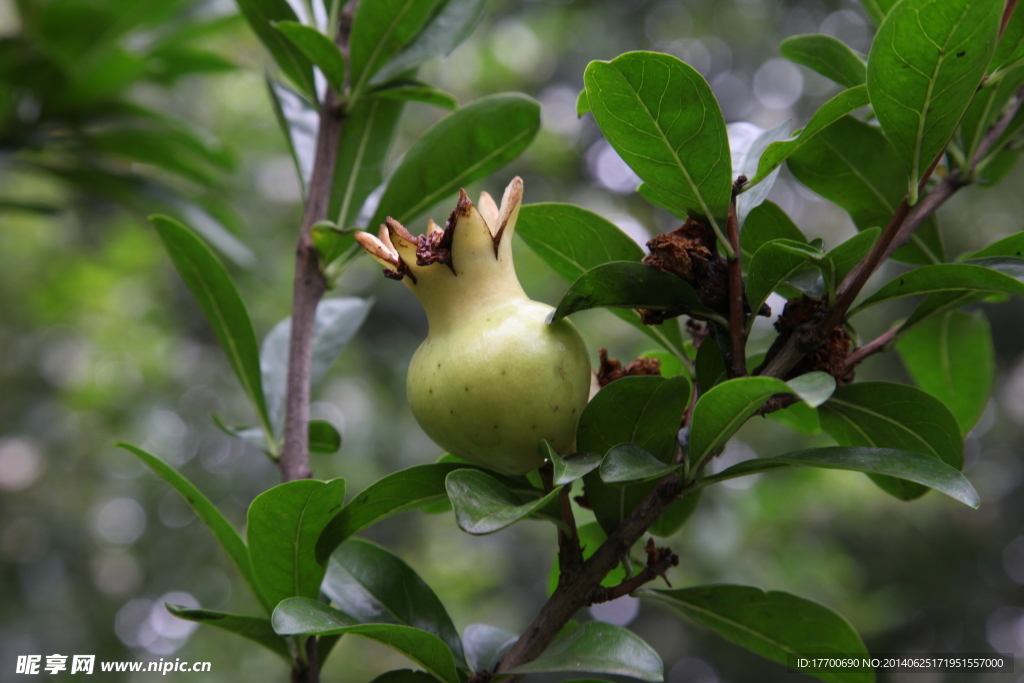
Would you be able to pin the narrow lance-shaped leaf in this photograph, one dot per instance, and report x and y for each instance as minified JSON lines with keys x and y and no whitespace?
{"x":261,"y":14}
{"x":599,"y":647}
{"x":379,"y":31}
{"x":304,"y":616}
{"x":226,"y":535}
{"x":284,"y":525}
{"x":660,"y":115}
{"x":256,"y":629}
{"x":415,"y":91}
{"x":990,"y":274}
{"x":484,"y":505}
{"x":318,"y":48}
{"x":775,"y":625}
{"x":299,"y":122}
{"x":463,"y":147}
{"x":765,"y":223}
{"x":210,"y":284}
{"x":889,"y":462}
{"x":925,"y":64}
{"x":829,"y":56}
{"x":372,"y":585}
{"x":572,"y":240}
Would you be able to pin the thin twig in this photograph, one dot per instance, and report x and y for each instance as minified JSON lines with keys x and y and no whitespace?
{"x":737,"y":330}
{"x":874,"y":346}
{"x":570,"y":554}
{"x":659,"y":561}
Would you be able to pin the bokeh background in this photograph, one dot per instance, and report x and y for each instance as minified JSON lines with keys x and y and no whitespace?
{"x":100,"y":341}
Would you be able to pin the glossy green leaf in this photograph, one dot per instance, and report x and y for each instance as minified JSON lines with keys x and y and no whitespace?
{"x":926,"y":62}
{"x":337,"y":321}
{"x":463,"y":147}
{"x":630,"y":284}
{"x":951,"y":357}
{"x":330,"y":242}
{"x":304,"y":616}
{"x":985,"y":108}
{"x":710,"y":365}
{"x":775,"y":625}
{"x":318,"y":48}
{"x":442,"y":34}
{"x":284,"y":525}
{"x":888,"y":462}
{"x":852,"y":164}
{"x":362,"y":150}
{"x":398,"y":492}
{"x":747,"y":163}
{"x":210,"y":284}
{"x":1012,"y":245}
{"x":571,"y":467}
{"x":299,"y":121}
{"x":582,"y":103}
{"x":256,"y":629}
{"x":774,"y":263}
{"x":380,"y":30}
{"x":253,"y":436}
{"x":598,"y":647}
{"x":723,"y":409}
{"x":829,"y":113}
{"x":847,"y":255}
{"x":813,"y":388}
{"x":171,"y":150}
{"x":415,"y":91}
{"x":404,"y":676}
{"x":765,"y":223}
{"x":226,"y":535}
{"x":627,"y":463}
{"x":483,"y":505}
{"x":991,"y":274}
{"x":372,"y":585}
{"x":661,"y":117}
{"x":261,"y":15}
{"x":486,"y":645}
{"x":829,"y":56}
{"x":645,"y":411}
{"x":886,"y":415}
{"x":572,"y":240}
{"x":324,"y":438}
{"x":800,"y":417}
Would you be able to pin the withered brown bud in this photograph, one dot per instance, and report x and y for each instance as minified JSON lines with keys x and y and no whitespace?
{"x":612,"y":369}
{"x":830,"y":357}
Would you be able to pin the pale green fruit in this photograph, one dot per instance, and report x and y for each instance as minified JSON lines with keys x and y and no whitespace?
{"x":493,"y":378}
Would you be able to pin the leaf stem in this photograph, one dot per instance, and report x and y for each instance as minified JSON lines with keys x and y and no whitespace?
{"x":737,"y":329}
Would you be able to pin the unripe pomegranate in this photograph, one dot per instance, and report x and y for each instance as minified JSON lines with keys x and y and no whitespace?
{"x":492,"y":378}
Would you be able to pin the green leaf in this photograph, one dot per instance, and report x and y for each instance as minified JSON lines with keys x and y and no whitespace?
{"x":877,"y":9}
{"x":210,"y":284}
{"x":299,"y":121}
{"x":852,"y":164}
{"x":951,"y":357}
{"x":598,"y":647}
{"x":755,"y":195}
{"x":1013,"y":245}
{"x":324,"y":438}
{"x":773,"y":264}
{"x":925,"y":64}
{"x":304,"y":616}
{"x":442,"y":34}
{"x":710,"y":365}
{"x":765,"y":223}
{"x":337,"y":321}
{"x":571,"y":467}
{"x":261,"y":15}
{"x":829,"y":113}
{"x":380,"y":30}
{"x":404,"y":676}
{"x":463,"y":147}
{"x":317,"y":48}
{"x":847,"y":255}
{"x":629,"y":284}
{"x":992,"y":274}
{"x":645,"y":411}
{"x":226,"y":535}
{"x":813,"y":388}
{"x":661,"y":117}
{"x":628,"y":463}
{"x":253,"y":436}
{"x":365,"y":140}
{"x":415,"y":91}
{"x":486,"y":645}
{"x":886,"y":415}
{"x":775,"y":625}
{"x":256,"y":629}
{"x":830,"y":57}
{"x":591,"y":536}
{"x":484,"y":505}
{"x":724,"y":408}
{"x":798,"y":416}
{"x":284,"y":525}
{"x":330,"y":242}
{"x":899,"y":464}
{"x":573,"y":240}
{"x":984,"y":109}
{"x":372,"y":585}
{"x":582,"y":103}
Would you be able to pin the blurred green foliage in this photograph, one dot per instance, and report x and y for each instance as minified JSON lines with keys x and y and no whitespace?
{"x":100,"y":340}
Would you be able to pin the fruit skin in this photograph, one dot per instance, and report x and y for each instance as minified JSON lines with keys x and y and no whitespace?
{"x":491,"y":390}
{"x":493,"y":378}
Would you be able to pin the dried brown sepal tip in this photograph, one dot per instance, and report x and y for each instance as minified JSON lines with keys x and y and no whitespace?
{"x":611,"y":369}
{"x":435,"y":246}
{"x":829,"y":357}
{"x":690,"y":252}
